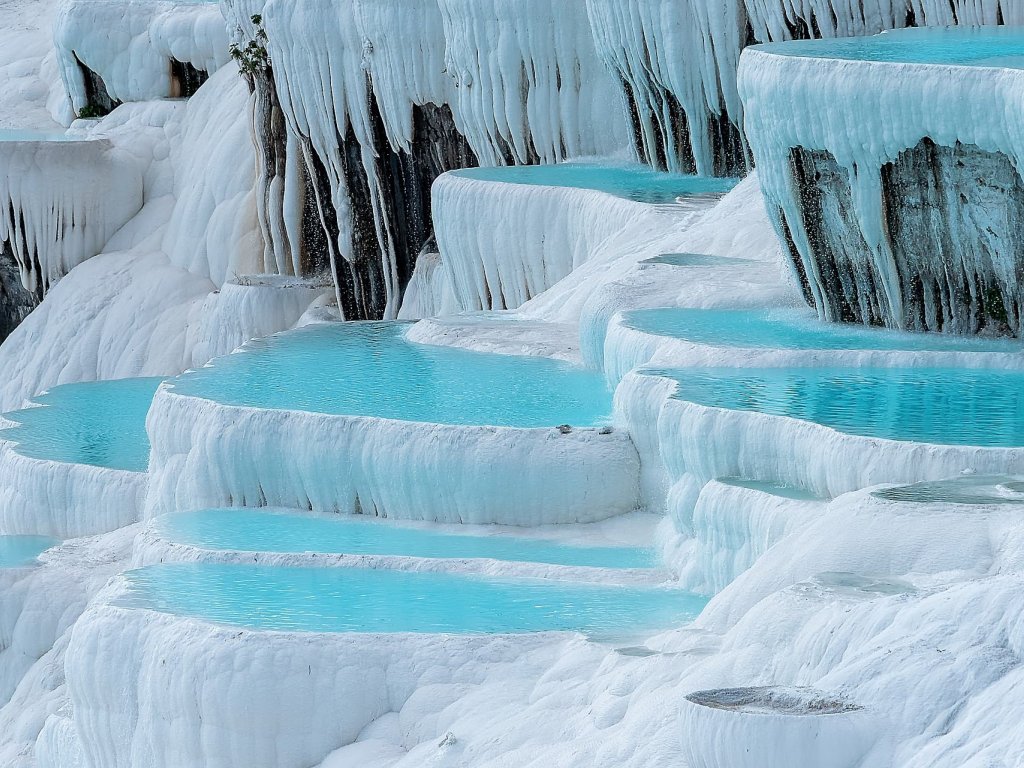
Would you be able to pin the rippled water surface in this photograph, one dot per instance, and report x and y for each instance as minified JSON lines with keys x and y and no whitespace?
{"x":100,"y":423}
{"x":931,"y":405}
{"x":364,"y":600}
{"x":369,"y":369}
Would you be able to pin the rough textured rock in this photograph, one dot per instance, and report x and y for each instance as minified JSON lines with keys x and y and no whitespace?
{"x":953,"y":238}
{"x":15,"y":301}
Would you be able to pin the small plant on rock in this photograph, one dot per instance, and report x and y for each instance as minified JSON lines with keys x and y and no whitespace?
{"x":253,"y":58}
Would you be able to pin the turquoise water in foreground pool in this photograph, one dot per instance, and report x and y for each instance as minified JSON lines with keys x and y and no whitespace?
{"x":974,"y":46}
{"x":282,"y":531}
{"x":22,"y":551}
{"x":947,"y":406}
{"x":795,"y":329}
{"x":638,"y":183}
{"x":100,"y":423}
{"x":365,"y":600}
{"x":369,"y":369}
{"x":970,"y":489}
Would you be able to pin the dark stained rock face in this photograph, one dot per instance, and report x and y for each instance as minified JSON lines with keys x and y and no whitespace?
{"x":951,"y":257}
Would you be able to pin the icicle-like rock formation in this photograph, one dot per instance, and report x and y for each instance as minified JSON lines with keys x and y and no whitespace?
{"x":897,"y":204}
{"x":503,"y":259}
{"x":529,"y":84}
{"x":112,"y":51}
{"x":61,"y":202}
{"x":676,"y":62}
{"x":503,"y":84}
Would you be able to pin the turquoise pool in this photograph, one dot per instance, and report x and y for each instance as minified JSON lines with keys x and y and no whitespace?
{"x":782,"y":491}
{"x":638,"y":183}
{"x":970,"y":489}
{"x":22,"y":551}
{"x":363,"y":600}
{"x":693,"y":260}
{"x":8,"y":134}
{"x":283,"y":531}
{"x":947,"y":406}
{"x":795,"y":329}
{"x":974,"y":46}
{"x":369,"y":369}
{"x":100,"y":423}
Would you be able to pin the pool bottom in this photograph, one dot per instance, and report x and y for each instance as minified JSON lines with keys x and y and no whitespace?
{"x":386,"y":602}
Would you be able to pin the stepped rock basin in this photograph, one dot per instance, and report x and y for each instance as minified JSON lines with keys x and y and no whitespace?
{"x":795,"y":330}
{"x":865,"y":199}
{"x":76,"y":460}
{"x":776,"y":337}
{"x":970,"y":46}
{"x":23,"y":551}
{"x":354,"y":418}
{"x":387,"y":601}
{"x":833,"y":430}
{"x":640,"y":184}
{"x":773,"y":727}
{"x":312,"y":654}
{"x":495,"y":256}
{"x":287,"y":532}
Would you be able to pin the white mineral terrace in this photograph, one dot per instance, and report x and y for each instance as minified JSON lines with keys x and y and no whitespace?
{"x":612,"y":495}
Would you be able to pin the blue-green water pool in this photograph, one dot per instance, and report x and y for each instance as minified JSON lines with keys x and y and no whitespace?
{"x":974,"y":46}
{"x":635,"y":182}
{"x":694,"y":260}
{"x":284,"y":531}
{"x":10,"y":134}
{"x":22,"y":551}
{"x":795,"y":329}
{"x":946,"y":406}
{"x":386,"y":601}
{"x":369,"y":369}
{"x":100,"y":423}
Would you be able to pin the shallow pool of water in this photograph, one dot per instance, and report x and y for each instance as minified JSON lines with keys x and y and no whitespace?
{"x":782,"y":491}
{"x":284,"y":531}
{"x":970,"y":489}
{"x":638,"y":183}
{"x":22,"y":551}
{"x":694,"y":260}
{"x":364,"y":600}
{"x":973,"y":46}
{"x":795,"y":329}
{"x":932,"y":405}
{"x":10,"y":134}
{"x":100,"y":423}
{"x":369,"y":369}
